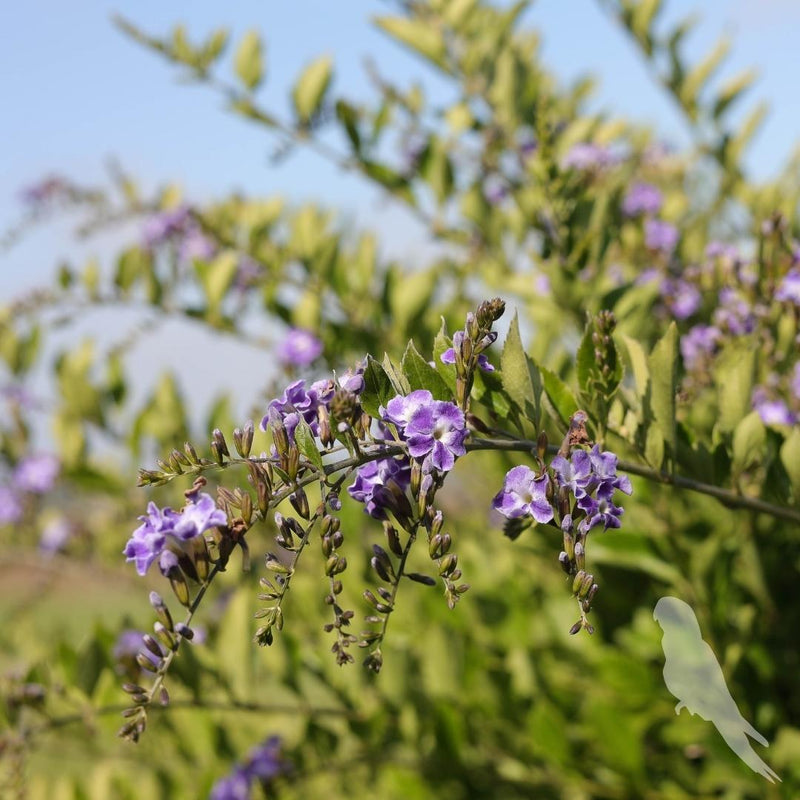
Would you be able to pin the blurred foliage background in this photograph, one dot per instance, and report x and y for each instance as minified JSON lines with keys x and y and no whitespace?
{"x":524,"y":192}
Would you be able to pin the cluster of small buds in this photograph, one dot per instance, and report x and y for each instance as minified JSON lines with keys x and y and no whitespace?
{"x":467,"y":352}
{"x":139,"y":654}
{"x":331,"y":539}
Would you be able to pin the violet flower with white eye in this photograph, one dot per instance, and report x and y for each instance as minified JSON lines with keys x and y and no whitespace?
{"x":524,"y":495}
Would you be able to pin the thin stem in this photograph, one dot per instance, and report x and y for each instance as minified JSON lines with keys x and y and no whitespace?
{"x":726,"y":496}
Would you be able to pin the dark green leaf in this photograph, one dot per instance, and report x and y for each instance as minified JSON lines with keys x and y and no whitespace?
{"x":421,"y":375}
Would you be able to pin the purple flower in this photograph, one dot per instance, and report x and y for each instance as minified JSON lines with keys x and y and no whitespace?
{"x":495,"y":189}
{"x":379,"y":485}
{"x":700,"y":341}
{"x":789,"y":288}
{"x":55,"y":536}
{"x":36,"y":473}
{"x":660,"y":236}
{"x":296,"y":402}
{"x":163,"y":226}
{"x":642,"y":198}
{"x":263,"y":764}
{"x":772,"y":411}
{"x":449,"y":357}
{"x":150,"y":539}
{"x":299,"y":349}
{"x":683,"y":298}
{"x":574,"y":474}
{"x":600,"y":510}
{"x":400,"y":409}
{"x":734,"y":313}
{"x":587,"y":156}
{"x":47,"y":190}
{"x":435,"y":433}
{"x":196,"y":245}
{"x":717,"y":249}
{"x":604,"y":467}
{"x":523,"y":494}
{"x":10,"y":506}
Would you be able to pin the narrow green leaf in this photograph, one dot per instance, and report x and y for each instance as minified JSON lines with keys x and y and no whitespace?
{"x":585,"y":364}
{"x":790,"y":458}
{"x":395,"y":374}
{"x":749,"y":439}
{"x":421,"y":375}
{"x":348,"y":116}
{"x":520,"y":376}
{"x":311,"y":86}
{"x":560,"y":395}
{"x":735,"y":374}
{"x":638,"y":359}
{"x":378,"y":389}
{"x":419,"y":36}
{"x":306,"y":443}
{"x":249,"y":61}
{"x":663,"y":366}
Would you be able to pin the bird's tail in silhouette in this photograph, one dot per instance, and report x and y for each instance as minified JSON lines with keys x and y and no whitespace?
{"x":737,"y":740}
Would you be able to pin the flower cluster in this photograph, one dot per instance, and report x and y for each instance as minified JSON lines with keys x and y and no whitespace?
{"x":381,"y":486}
{"x":591,"y":478}
{"x":262,"y":766}
{"x":164,"y":532}
{"x":312,"y":404}
{"x":178,"y":226}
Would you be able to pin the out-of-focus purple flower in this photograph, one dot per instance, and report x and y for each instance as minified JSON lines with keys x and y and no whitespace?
{"x":127,"y":646}
{"x":263,"y":764}
{"x":37,"y":473}
{"x":379,"y":484}
{"x":527,"y":143}
{"x":196,"y":245}
{"x":10,"y":506}
{"x":151,"y":538}
{"x":299,"y":348}
{"x":495,"y":189}
{"x":163,"y":226}
{"x":772,"y":411}
{"x":55,"y":536}
{"x":642,"y":198}
{"x":698,"y":343}
{"x":734,"y":314}
{"x":683,"y":298}
{"x":717,"y":249}
{"x":435,"y":433}
{"x":660,"y":236}
{"x":789,"y":288}
{"x":523,"y":495}
{"x":45,"y":191}
{"x":18,"y":394}
{"x":588,"y":156}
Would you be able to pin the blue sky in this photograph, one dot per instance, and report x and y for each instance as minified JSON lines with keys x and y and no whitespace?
{"x":77,"y":92}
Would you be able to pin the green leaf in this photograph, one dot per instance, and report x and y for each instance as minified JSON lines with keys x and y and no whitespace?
{"x":398,"y":380}
{"x":217,"y":277}
{"x":347,"y":115}
{"x":306,"y":443}
{"x":389,"y":178}
{"x":663,"y":366}
{"x":311,"y":86}
{"x":790,"y":458}
{"x":249,"y":61}
{"x":520,"y":376}
{"x":421,"y":375}
{"x":638,"y":359}
{"x":418,"y":35}
{"x":732,"y":90}
{"x":378,"y":389}
{"x":559,"y":394}
{"x":749,"y":439}
{"x":735,"y":374}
